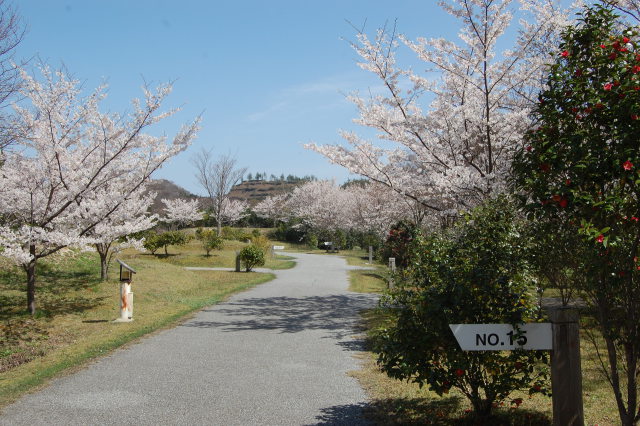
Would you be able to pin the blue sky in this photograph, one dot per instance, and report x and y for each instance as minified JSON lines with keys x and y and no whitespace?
{"x":267,"y":76}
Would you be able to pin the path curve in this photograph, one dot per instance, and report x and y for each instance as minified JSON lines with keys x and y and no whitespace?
{"x":275,"y":355}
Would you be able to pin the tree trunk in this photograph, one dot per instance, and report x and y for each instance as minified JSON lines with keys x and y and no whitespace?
{"x":31,"y":281}
{"x":103,"y":251}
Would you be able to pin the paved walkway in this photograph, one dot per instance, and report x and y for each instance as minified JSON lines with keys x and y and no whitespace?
{"x":275,"y":355}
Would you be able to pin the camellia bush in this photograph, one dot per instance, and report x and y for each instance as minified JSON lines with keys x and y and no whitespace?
{"x":473,"y":273}
{"x":581,"y":168}
{"x":398,"y":243}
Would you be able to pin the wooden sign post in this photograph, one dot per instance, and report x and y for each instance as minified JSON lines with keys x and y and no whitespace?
{"x":561,"y":337}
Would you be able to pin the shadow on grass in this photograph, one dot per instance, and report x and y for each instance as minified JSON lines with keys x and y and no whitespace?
{"x":444,"y":411}
{"x":337,"y":314}
{"x":58,"y":290}
{"x":349,"y":414}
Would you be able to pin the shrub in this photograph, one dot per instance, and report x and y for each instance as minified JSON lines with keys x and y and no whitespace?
{"x":474,"y":273}
{"x":252,"y":256}
{"x":399,"y":242}
{"x":209,"y":239}
{"x":311,"y":240}
{"x":261,"y":242}
{"x":174,"y":238}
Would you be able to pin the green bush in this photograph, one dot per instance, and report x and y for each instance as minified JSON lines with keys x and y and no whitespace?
{"x":252,"y":256}
{"x":209,"y":239}
{"x":473,"y":274}
{"x":170,"y":238}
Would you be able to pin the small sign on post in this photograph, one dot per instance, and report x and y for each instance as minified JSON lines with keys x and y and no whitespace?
{"x":126,"y":295}
{"x":502,"y":337}
{"x":561,"y":337}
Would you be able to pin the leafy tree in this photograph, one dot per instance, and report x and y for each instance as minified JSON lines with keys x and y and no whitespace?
{"x":252,"y":256}
{"x":209,"y":239}
{"x":581,"y":167}
{"x":166,"y":239}
{"x":473,"y":273}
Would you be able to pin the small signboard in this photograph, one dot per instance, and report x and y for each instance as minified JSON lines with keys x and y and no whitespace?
{"x":278,"y":247}
{"x":502,"y":337}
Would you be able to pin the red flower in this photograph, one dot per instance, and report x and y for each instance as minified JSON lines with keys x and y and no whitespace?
{"x":568,"y":182}
{"x":635,"y":219}
{"x":564,"y":203}
{"x":564,"y":54}
{"x":459,"y":372}
{"x":517,"y":402}
{"x":634,"y":117}
{"x":616,"y":44}
{"x":636,"y":69}
{"x":599,"y":105}
{"x":613,"y":56}
{"x":607,"y":86}
{"x":578,"y":73}
{"x":604,"y":46}
{"x":627,"y":165}
{"x":528,"y":148}
{"x":600,"y":238}
{"x":626,"y":39}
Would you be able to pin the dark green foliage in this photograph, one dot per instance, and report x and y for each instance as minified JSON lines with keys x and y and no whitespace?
{"x":252,"y":256}
{"x":580,"y":171}
{"x":474,"y":273}
{"x":311,"y":240}
{"x":398,"y":243}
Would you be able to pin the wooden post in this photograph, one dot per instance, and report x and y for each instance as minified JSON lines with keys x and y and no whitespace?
{"x":566,"y":373}
{"x":370,"y":255}
{"x":392,"y":267}
{"x":237,"y":261}
{"x":392,"y":264}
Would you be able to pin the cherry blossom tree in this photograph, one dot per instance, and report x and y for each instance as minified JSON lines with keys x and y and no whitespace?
{"x":181,"y":212}
{"x":233,"y":210}
{"x":11,"y":34}
{"x":217,"y":177}
{"x":113,"y":234}
{"x":456,"y":150}
{"x":67,"y":158}
{"x":272,"y":207}
{"x":326,"y":206}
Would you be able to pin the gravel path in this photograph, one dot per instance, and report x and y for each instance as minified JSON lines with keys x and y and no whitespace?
{"x":275,"y":355}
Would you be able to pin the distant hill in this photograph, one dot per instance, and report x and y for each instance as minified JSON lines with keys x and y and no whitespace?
{"x":251,"y":191}
{"x":254,"y":191}
{"x":167,"y":190}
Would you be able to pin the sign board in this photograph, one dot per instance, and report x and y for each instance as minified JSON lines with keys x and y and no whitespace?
{"x":502,"y":337}
{"x":278,"y":247}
